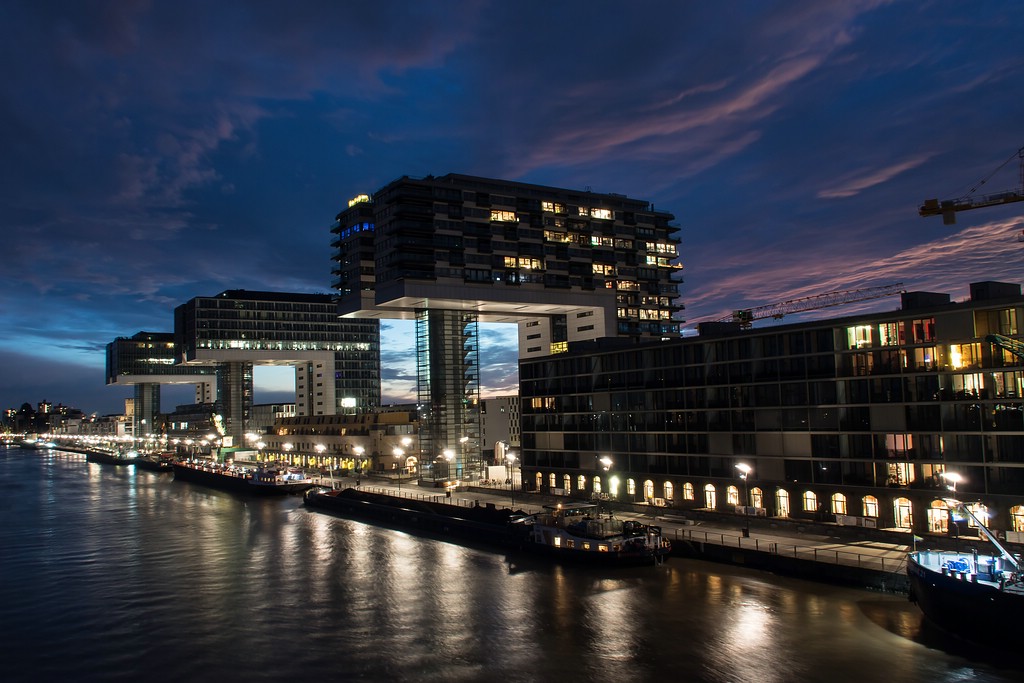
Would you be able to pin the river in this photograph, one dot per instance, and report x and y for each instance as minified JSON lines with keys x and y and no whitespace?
{"x":112,"y":574}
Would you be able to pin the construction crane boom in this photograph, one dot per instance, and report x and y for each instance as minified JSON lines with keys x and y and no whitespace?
{"x":746,"y":316}
{"x":948,"y":208}
{"x":1014,"y":346}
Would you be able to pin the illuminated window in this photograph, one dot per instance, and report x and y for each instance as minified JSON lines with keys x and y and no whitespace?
{"x":553,"y":236}
{"x":964,"y":356}
{"x":1017,"y":518}
{"x":903,"y":512}
{"x":859,"y":336}
{"x":757,"y":497}
{"x":891,"y":334}
{"x":581,"y":483}
{"x":732,"y":495}
{"x":938,"y":517}
{"x":567,"y":483}
{"x":603,"y":214}
{"x":631,"y":487}
{"x":498,"y":216}
{"x":552,"y":480}
{"x":687,"y":491}
{"x":552,"y":207}
{"x":782,"y":502}
{"x":628,"y":285}
{"x":900,"y":474}
{"x":710,"y":497}
{"x":810,"y":501}
{"x":597,"y":484}
{"x":838,"y":504}
{"x":530,"y":263}
{"x":603,"y":269}
{"x":870,"y":506}
{"x":668,"y":491}
{"x":559,"y":347}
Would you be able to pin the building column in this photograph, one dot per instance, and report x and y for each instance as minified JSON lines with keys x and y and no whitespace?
{"x":234,"y":399}
{"x":147,"y":408}
{"x":448,"y":390}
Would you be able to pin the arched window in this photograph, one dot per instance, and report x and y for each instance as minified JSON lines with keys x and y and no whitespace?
{"x":870,"y":506}
{"x":567,"y":483}
{"x":810,"y":501}
{"x":757,"y":497}
{"x":782,"y":502}
{"x":978,"y":510}
{"x":553,"y":480}
{"x":903,"y":511}
{"x":613,"y":486}
{"x":581,"y":483}
{"x":648,"y":490}
{"x":838,"y":504}
{"x":631,"y":486}
{"x":540,"y":481}
{"x":938,"y":517}
{"x":687,"y":491}
{"x":597,"y":484}
{"x":732,"y":495}
{"x":710,"y":497}
{"x":1017,"y":518}
{"x":669,"y":490}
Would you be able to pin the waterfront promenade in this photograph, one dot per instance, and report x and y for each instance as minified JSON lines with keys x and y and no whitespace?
{"x":795,"y":550}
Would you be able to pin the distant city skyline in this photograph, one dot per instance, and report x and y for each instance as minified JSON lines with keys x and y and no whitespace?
{"x":149,"y":160}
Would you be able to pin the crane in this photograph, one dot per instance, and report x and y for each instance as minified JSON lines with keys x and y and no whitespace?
{"x":746,"y":316}
{"x":1014,"y":346}
{"x":947,"y":208}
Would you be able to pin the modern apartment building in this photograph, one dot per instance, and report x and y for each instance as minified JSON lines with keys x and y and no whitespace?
{"x":456,"y":250}
{"x":863,"y":420}
{"x":337,"y":362}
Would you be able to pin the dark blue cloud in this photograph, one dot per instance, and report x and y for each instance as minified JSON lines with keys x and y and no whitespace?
{"x":154,"y":152}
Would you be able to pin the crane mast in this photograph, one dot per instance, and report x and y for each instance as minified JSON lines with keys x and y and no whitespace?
{"x":948,"y":208}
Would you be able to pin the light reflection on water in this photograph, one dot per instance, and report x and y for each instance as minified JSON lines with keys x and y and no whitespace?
{"x":112,"y":574}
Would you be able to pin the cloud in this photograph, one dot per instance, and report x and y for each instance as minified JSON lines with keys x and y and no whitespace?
{"x":860,"y":180}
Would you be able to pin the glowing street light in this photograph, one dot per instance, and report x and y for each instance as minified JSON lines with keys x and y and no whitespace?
{"x":953,"y":478}
{"x":745,"y":470}
{"x":511,"y":458}
{"x":449,"y":455}
{"x":398,"y":453}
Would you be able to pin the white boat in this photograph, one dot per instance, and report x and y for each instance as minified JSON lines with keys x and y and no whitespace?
{"x":978,"y":597}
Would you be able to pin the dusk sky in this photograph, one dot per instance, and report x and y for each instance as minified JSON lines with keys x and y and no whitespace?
{"x":156,"y":151}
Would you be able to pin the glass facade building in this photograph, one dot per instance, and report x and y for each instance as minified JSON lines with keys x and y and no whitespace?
{"x":856,"y":420}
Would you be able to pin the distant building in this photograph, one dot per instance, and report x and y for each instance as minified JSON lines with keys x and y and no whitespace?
{"x":855,"y":420}
{"x":499,"y":424}
{"x":265,"y":415}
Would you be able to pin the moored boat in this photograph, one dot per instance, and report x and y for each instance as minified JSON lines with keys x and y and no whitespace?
{"x":155,"y":462}
{"x":104,"y":458}
{"x":260,"y":481}
{"x":976,"y":597}
{"x":581,"y":532}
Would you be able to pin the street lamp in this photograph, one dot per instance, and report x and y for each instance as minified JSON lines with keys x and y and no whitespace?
{"x":463,"y":440}
{"x":259,"y":450}
{"x":953,"y":478}
{"x":398,"y":453}
{"x":449,"y":455}
{"x":511,"y":458}
{"x":745,"y":470}
{"x":288,"y":451}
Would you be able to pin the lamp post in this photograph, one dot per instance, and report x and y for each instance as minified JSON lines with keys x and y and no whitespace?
{"x":398,"y":453}
{"x":745,"y":470}
{"x":953,"y":478}
{"x":259,"y":450}
{"x":463,"y":440}
{"x":511,"y":459}
{"x":288,"y":450}
{"x":359,"y":450}
{"x":448,"y":455}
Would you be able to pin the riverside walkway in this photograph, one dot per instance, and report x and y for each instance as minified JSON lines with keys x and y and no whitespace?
{"x":813,"y":554}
